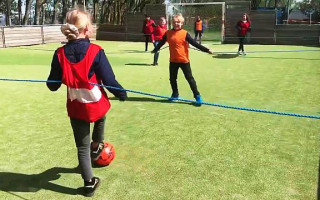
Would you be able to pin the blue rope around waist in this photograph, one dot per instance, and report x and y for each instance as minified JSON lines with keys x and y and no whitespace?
{"x":181,"y":99}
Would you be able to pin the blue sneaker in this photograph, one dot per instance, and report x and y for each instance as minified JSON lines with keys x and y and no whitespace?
{"x":199,"y":100}
{"x":172,"y":98}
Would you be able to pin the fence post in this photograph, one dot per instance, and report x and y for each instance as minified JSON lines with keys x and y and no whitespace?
{"x":42,"y":34}
{"x":3,"y":37}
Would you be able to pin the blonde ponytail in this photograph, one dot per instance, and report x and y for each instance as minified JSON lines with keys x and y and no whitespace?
{"x":78,"y":22}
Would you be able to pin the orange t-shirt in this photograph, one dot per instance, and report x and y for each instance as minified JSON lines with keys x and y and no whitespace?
{"x":178,"y":46}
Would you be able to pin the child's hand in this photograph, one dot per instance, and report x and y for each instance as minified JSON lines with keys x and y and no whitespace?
{"x":210,"y":51}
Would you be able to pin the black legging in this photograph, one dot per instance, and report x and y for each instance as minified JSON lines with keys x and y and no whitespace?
{"x":81,"y":132}
{"x":185,"y":67}
{"x":241,"y":41}
{"x":148,"y":38}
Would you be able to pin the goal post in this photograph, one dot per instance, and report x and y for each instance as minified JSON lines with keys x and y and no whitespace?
{"x":211,"y":13}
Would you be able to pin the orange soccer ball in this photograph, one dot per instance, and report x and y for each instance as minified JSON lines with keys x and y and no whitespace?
{"x":106,"y":156}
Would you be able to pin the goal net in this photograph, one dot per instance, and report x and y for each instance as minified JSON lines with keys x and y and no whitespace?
{"x":211,"y":14}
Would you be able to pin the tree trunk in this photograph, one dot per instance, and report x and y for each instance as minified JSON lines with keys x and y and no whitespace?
{"x":74,"y":3}
{"x":54,"y":16}
{"x":102,"y":12}
{"x":43,"y":14}
{"x":8,"y":12}
{"x":95,"y":5}
{"x":27,"y":13}
{"x":114,"y":12}
{"x":19,"y":12}
{"x":37,"y":12}
{"x":64,"y":10}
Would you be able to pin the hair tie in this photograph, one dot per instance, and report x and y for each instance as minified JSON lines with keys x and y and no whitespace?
{"x":69,"y":30}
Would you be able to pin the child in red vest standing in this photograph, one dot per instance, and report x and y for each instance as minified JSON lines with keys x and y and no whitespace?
{"x":157,"y":35}
{"x":147,"y":30}
{"x":78,"y":64}
{"x":243,"y":26}
{"x":179,"y":40}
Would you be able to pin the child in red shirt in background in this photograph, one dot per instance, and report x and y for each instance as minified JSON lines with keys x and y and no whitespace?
{"x":157,"y":35}
{"x":243,"y":26}
{"x":147,"y":30}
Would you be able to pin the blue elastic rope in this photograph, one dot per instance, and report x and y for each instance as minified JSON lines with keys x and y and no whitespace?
{"x":181,"y":99}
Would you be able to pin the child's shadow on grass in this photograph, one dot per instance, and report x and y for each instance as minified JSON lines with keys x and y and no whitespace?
{"x":16,"y":182}
{"x":148,"y":99}
{"x":138,"y":64}
{"x":225,"y":56}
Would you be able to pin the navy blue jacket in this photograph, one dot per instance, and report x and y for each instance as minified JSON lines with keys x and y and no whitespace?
{"x":75,"y":52}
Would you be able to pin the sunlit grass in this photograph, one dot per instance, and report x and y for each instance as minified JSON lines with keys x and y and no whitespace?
{"x":168,"y":150}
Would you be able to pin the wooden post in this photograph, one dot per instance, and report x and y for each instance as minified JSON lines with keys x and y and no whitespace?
{"x":3,"y":38}
{"x":42,"y":34}
{"x":223,"y":23}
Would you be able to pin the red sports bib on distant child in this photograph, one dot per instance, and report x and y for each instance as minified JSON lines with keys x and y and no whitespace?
{"x":158,"y":32}
{"x":85,"y":101}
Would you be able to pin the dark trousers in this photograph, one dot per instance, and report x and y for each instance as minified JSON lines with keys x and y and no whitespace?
{"x":156,"y":54}
{"x":198,"y":33}
{"x":148,"y":39}
{"x":241,"y":41}
{"x":81,"y":132}
{"x":185,"y":67}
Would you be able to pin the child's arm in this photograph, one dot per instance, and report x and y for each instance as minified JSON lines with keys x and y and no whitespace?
{"x":160,"y":44}
{"x":153,"y":24}
{"x":197,"y":45}
{"x":55,"y":73}
{"x":104,"y":72}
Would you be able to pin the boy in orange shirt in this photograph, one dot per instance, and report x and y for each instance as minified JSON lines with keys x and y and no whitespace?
{"x":178,"y":40}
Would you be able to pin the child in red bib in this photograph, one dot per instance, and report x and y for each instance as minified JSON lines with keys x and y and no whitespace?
{"x":157,"y":35}
{"x":82,"y":67}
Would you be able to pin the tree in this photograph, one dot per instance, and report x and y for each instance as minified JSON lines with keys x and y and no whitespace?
{"x":39,"y":6}
{"x":27,"y":12}
{"x":55,"y":13}
{"x":8,"y":12}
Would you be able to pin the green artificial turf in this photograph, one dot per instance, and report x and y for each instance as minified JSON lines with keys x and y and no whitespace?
{"x":169,"y":150}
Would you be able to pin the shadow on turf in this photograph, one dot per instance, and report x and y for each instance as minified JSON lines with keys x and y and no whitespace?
{"x":127,"y":51}
{"x":283,"y":58}
{"x":134,"y":51}
{"x":226,"y":55}
{"x":148,"y":99}
{"x":138,"y":64}
{"x":16,"y":182}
